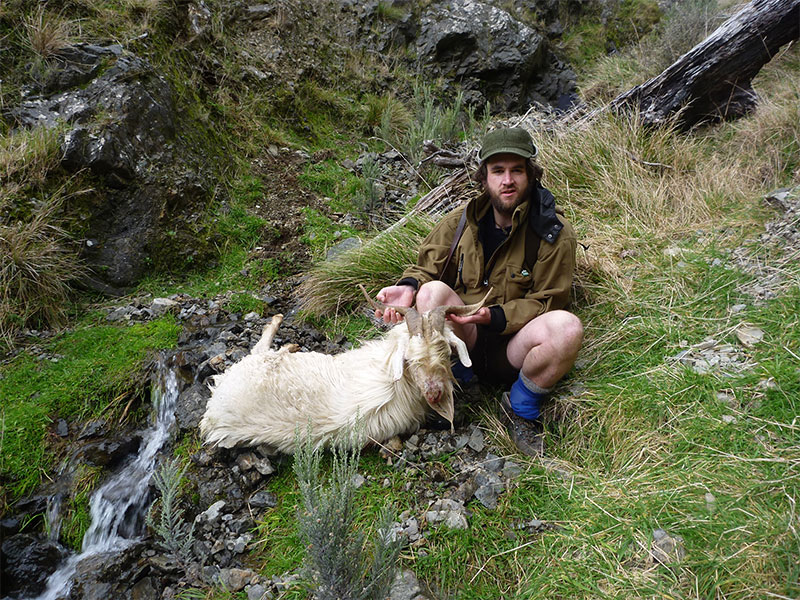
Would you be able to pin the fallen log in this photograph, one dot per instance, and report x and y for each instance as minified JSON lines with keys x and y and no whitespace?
{"x":713,"y":80}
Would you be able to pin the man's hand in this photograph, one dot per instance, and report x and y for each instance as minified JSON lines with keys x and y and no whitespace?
{"x":482,"y":317}
{"x":396,"y":295}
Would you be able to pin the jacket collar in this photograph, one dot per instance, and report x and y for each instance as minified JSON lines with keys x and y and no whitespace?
{"x":539,"y":211}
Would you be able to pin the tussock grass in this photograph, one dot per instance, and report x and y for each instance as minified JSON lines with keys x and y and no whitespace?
{"x":27,"y":156}
{"x":45,"y":33}
{"x":332,"y":285}
{"x":37,"y":265}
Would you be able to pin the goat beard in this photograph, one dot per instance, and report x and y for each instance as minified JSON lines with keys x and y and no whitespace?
{"x":444,"y":407}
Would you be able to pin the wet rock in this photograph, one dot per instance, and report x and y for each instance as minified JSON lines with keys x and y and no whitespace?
{"x":109,"y":452}
{"x":27,"y":561}
{"x":103,"y":576}
{"x":191,"y":405}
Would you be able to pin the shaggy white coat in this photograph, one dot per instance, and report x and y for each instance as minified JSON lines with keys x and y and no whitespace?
{"x":270,"y":396}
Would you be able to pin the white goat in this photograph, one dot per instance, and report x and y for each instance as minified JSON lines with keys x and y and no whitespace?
{"x":386,"y":385}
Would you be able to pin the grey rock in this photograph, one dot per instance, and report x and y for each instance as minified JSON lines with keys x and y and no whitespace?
{"x":489,"y":488}
{"x":667,"y":549}
{"x":235,"y":579}
{"x":405,"y":587}
{"x":511,"y":470}
{"x":162,"y":306}
{"x":448,"y":512}
{"x":263,"y":499}
{"x":257,"y":592}
{"x":212,"y":513}
{"x":342,"y":247}
{"x":119,"y":314}
{"x":476,"y":440}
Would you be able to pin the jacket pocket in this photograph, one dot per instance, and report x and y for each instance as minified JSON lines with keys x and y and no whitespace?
{"x":519,"y":281}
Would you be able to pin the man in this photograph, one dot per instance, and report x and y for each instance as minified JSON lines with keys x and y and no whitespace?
{"x":512,"y":239}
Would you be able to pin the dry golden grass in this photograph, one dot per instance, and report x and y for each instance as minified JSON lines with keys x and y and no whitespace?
{"x":27,"y":156}
{"x":46,"y":33}
{"x":37,"y":266}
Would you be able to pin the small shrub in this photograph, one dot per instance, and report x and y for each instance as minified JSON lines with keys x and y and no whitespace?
{"x":175,"y":535}
{"x":369,"y":194}
{"x":338,"y":565}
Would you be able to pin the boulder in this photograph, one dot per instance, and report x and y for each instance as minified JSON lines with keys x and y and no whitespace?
{"x":27,"y":561}
{"x":493,"y":55}
{"x":121,"y":124}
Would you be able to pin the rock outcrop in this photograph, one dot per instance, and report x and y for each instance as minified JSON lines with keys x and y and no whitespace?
{"x":479,"y":47}
{"x":120,"y":123}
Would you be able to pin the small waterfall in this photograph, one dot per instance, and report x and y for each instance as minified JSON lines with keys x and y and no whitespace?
{"x":119,"y":507}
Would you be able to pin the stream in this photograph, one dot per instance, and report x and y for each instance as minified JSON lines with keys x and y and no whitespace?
{"x":119,"y":508}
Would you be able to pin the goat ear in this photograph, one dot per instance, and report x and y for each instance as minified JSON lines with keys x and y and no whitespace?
{"x":397,"y":359}
{"x":461,"y":348}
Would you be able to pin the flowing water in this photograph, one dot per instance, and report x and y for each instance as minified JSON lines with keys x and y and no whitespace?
{"x":119,"y":507}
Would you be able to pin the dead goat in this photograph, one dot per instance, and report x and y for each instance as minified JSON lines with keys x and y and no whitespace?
{"x":386,"y":385}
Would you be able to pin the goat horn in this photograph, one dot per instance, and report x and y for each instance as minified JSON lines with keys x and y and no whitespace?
{"x":380,"y":305}
{"x":413,"y":318}
{"x":439,"y":313}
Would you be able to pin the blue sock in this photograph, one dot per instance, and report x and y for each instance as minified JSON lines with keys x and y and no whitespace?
{"x":461,"y":373}
{"x":524,"y":400}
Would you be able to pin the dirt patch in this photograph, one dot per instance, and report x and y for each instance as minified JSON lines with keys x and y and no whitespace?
{"x":282,"y":208}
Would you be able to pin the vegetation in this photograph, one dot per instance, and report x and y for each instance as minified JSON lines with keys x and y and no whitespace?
{"x":175,"y":535}
{"x":92,"y":371}
{"x":337,"y":563}
{"x":637,"y":440}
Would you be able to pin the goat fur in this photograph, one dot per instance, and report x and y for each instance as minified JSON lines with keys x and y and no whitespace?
{"x":271,"y":395}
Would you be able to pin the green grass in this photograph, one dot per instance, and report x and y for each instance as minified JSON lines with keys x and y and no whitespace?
{"x":99,"y":368}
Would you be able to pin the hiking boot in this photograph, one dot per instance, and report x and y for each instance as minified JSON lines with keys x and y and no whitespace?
{"x":528,"y":436}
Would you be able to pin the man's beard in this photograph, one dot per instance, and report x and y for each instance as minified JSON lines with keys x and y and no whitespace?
{"x":508,"y":210}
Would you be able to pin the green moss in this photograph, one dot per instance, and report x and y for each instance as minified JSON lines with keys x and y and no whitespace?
{"x":591,"y":38}
{"x":98,"y":366}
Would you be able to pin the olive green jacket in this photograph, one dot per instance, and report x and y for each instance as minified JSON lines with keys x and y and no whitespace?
{"x":522,"y":291}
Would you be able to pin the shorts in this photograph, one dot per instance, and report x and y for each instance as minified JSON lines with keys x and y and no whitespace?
{"x":490,"y":360}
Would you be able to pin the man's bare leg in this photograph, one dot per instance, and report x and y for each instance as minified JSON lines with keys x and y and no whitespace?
{"x":546,"y":348}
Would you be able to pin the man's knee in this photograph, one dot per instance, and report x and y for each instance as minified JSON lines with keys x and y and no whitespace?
{"x":568,"y":328}
{"x":435,"y":293}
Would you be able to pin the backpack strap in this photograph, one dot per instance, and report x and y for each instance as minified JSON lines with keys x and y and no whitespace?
{"x":462,"y":222}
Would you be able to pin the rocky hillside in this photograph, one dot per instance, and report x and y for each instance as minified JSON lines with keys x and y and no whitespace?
{"x":219,"y":148}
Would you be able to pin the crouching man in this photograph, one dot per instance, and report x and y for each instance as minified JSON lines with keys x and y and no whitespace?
{"x":513,"y":239}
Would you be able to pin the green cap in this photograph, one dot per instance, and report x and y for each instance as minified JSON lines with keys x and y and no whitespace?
{"x":511,"y":140}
